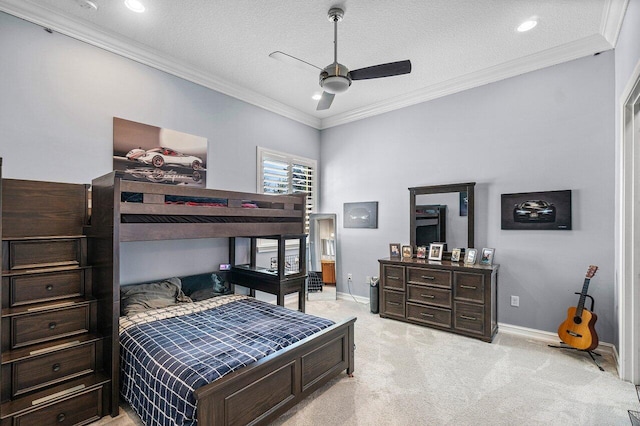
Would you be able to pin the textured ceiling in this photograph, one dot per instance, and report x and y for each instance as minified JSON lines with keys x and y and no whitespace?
{"x":224,"y":44}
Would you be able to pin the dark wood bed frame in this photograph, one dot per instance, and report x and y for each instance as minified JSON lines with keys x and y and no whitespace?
{"x":255,"y":394}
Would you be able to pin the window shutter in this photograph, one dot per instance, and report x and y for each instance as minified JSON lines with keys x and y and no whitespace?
{"x":276,"y":177}
{"x":281,"y":173}
{"x":302,"y":181}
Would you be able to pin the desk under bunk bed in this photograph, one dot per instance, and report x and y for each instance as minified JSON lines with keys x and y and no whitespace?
{"x":127,"y":211}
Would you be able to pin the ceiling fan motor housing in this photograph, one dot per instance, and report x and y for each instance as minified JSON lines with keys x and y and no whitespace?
{"x":335,"y":78}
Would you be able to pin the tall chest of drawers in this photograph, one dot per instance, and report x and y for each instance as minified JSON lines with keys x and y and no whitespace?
{"x":52,"y":353}
{"x":444,"y":295}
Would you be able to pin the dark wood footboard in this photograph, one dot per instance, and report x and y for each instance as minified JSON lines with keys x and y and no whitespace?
{"x":264,"y":390}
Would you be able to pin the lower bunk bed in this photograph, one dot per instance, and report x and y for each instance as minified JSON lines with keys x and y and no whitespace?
{"x":224,"y":360}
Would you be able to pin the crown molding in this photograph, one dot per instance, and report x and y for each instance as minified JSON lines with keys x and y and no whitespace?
{"x":563,"y":53}
{"x":612,"y":18}
{"x":74,"y":28}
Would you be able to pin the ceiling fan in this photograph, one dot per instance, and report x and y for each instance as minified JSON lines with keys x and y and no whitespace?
{"x":336,"y":78}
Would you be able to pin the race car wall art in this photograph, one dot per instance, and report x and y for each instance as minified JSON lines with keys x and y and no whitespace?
{"x":536,"y":210}
{"x":160,"y":156}
{"x":148,"y":153}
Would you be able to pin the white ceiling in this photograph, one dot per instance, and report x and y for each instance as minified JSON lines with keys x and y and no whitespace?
{"x":224,"y":44}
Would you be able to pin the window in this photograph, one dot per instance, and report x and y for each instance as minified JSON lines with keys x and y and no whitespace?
{"x":280,"y":173}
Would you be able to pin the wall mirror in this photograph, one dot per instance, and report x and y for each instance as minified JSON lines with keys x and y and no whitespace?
{"x":321,"y":284}
{"x":442,"y":213}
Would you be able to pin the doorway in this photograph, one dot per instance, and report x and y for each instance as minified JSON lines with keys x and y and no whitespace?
{"x":321,"y":284}
{"x":629,"y":258}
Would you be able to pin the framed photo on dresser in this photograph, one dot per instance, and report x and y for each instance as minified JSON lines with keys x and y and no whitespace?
{"x":435,"y":251}
{"x":394,"y":250}
{"x":421,"y":252}
{"x":486,"y":258}
{"x":470,"y":256}
{"x":455,"y":255}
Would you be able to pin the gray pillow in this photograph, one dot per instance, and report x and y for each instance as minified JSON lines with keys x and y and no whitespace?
{"x":216,"y":287}
{"x":141,"y":297}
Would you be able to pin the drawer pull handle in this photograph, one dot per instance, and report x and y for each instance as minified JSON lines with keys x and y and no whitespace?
{"x":424,"y":314}
{"x":56,"y":367}
{"x":61,"y":417}
{"x":52,"y":325}
{"x":49,"y":287}
{"x":393,"y":278}
{"x":468,"y":318}
{"x":427,"y":277}
{"x":428,"y":296}
{"x":470,"y":287}
{"x":394,"y":303}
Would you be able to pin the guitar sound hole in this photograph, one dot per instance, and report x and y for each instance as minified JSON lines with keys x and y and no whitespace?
{"x":577,"y":320}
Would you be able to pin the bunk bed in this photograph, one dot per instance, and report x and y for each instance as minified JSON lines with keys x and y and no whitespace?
{"x":125,"y":211}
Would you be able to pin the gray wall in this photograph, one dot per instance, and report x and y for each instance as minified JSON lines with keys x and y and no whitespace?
{"x":546,"y":130}
{"x":550,"y":129}
{"x":58,"y":97}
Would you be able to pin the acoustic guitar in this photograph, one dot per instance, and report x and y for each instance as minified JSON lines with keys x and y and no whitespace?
{"x":578,"y":329}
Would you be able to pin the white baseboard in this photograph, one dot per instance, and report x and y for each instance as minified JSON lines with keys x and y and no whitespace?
{"x":528,"y":333}
{"x":549,"y":337}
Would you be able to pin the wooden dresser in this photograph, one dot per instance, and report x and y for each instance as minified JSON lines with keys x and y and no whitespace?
{"x":52,"y":354}
{"x":444,"y":295}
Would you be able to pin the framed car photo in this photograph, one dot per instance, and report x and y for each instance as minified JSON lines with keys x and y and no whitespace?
{"x":147,"y":153}
{"x":536,"y":210}
{"x":470,"y":256}
{"x":435,"y":251}
{"x":361,"y":215}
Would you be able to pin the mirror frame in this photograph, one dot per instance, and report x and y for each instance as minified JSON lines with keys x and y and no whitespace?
{"x":441,"y":189}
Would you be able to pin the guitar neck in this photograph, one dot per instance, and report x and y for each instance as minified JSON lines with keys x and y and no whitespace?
{"x":583,"y":296}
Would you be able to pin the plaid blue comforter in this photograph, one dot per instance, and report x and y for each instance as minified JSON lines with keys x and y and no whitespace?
{"x":165,"y":354}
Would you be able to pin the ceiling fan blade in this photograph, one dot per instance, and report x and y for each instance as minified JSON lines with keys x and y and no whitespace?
{"x":325,"y":101}
{"x":292,"y":60}
{"x":383,"y":70}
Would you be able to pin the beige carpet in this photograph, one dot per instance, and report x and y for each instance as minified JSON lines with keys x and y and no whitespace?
{"x":411,"y":375}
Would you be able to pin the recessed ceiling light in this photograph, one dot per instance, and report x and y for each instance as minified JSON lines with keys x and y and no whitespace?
{"x":87,"y":4}
{"x":316,"y":96}
{"x":134,"y":5}
{"x":527,"y":25}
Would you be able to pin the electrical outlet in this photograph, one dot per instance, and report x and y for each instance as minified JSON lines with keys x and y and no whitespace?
{"x":515,"y":301}
{"x":367,"y":280}
{"x":349,"y":276}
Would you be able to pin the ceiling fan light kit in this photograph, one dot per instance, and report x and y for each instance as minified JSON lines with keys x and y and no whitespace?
{"x":336,"y":78}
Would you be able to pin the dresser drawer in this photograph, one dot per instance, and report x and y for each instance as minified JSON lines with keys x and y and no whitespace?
{"x":56,"y":367}
{"x":77,"y":410}
{"x":393,"y":303}
{"x":41,"y":253}
{"x":469,"y":317}
{"x":469,"y":287}
{"x":429,"y":315}
{"x":49,"y":325}
{"x":48,"y":286}
{"x":393,"y":277}
{"x":431,"y":277}
{"x":432,"y":296}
